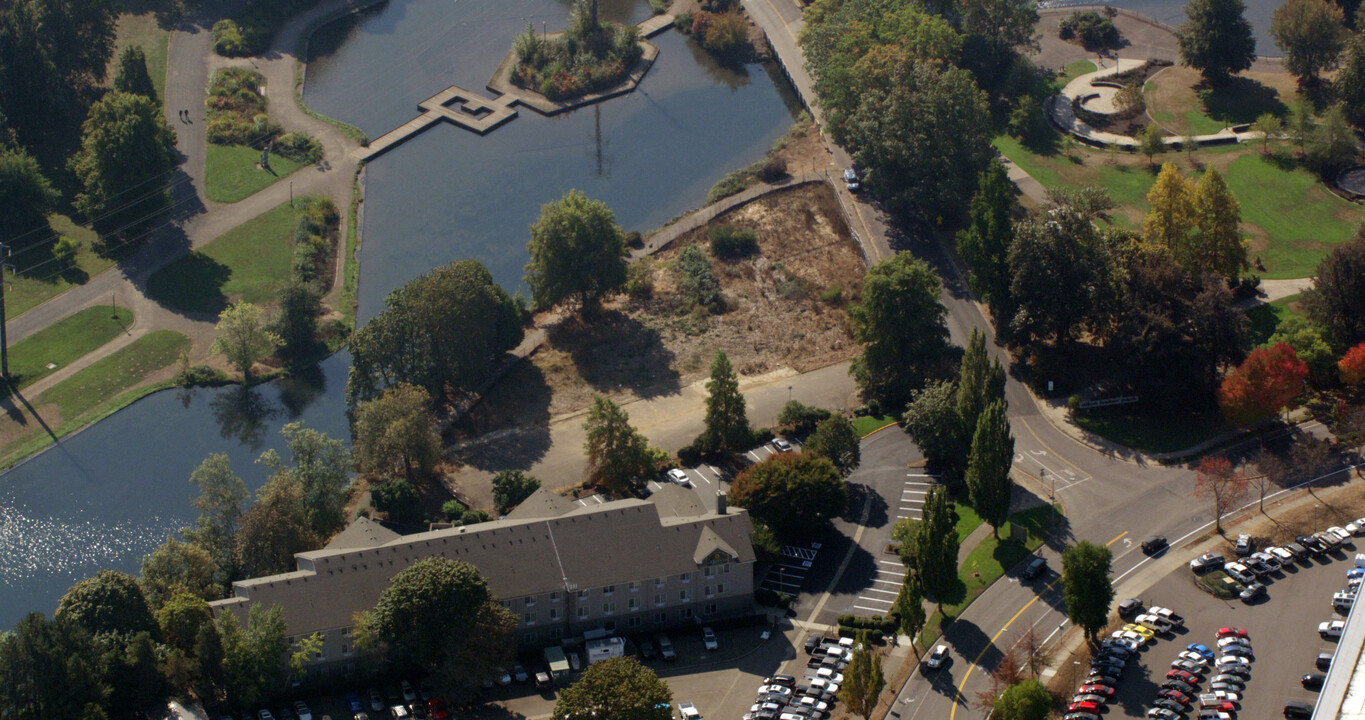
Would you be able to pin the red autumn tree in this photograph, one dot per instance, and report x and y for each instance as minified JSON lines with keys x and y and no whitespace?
{"x":1352,"y":367}
{"x":1216,"y":479}
{"x":1266,"y":382}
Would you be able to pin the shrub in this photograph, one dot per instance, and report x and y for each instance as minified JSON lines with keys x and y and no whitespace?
{"x":64,"y":251}
{"x":299,"y":147}
{"x":658,"y":7}
{"x":227,"y":38}
{"x":726,"y":35}
{"x":771,"y":598}
{"x":729,"y":242}
{"x":453,"y":509}
{"x":200,"y":376}
{"x":833,"y":295}
{"x":1091,"y":28}
{"x":635,"y":240}
{"x":773,"y":169}
{"x":398,"y":499}
{"x":801,"y":418}
{"x":698,"y":282}
{"x":640,"y":280}
{"x":474,"y":517}
{"x":736,"y":182}
{"x":683,"y":21}
{"x":763,"y":436}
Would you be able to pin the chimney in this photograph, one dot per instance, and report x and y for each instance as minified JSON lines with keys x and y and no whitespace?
{"x":720,"y":503}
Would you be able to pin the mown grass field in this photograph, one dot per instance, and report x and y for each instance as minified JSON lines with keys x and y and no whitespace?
{"x":108,"y":377}
{"x":64,"y":342}
{"x":231,"y":172}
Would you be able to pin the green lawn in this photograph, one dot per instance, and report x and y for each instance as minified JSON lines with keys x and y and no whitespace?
{"x":230,"y":172}
{"x":1292,"y":221}
{"x":1074,"y":70}
{"x":65,"y":341}
{"x":105,"y":379}
{"x":250,"y":262}
{"x":43,"y":283}
{"x":987,"y":562}
{"x":866,"y":424}
{"x":142,"y":30}
{"x":1168,"y":433}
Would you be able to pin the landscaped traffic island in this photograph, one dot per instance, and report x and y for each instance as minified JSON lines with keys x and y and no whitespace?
{"x":589,"y":56}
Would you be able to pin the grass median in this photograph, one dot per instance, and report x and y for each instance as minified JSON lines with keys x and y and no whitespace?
{"x":987,"y":562}
{"x":108,"y":377}
{"x":64,"y":342}
{"x":866,"y":425}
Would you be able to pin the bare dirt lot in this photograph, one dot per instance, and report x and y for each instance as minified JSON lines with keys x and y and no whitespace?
{"x":781,"y":310}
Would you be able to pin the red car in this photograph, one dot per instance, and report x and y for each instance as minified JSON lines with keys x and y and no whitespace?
{"x":1231,"y":632}
{"x":438,"y":709}
{"x":1175,"y":695}
{"x":1223,"y":706}
{"x":1095,"y":689}
{"x":1183,"y":676}
{"x":1085,"y":707}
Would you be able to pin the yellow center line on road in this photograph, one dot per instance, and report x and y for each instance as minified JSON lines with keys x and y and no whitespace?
{"x":1022,"y":610}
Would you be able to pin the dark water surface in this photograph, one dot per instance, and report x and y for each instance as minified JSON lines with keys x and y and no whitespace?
{"x":106,"y":496}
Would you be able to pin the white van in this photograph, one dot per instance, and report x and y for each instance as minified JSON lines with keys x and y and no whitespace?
{"x":1360,"y":560}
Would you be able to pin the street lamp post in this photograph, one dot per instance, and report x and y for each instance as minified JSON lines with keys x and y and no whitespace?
{"x":1315,"y":518}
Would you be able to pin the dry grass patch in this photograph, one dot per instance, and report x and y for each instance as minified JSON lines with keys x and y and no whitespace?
{"x":1180,"y":103}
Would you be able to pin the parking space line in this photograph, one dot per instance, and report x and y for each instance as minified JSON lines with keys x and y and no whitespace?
{"x":891,"y":562}
{"x":860,"y":607}
{"x":888,"y":592}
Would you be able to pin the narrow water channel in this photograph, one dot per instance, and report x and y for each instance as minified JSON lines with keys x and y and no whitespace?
{"x":105,"y":497}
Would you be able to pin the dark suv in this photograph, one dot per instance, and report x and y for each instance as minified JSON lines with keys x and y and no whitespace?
{"x":1154,"y":544}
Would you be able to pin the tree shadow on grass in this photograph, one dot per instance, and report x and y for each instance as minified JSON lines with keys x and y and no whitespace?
{"x":1241,"y":100}
{"x":192,"y":284}
{"x":614,"y":351}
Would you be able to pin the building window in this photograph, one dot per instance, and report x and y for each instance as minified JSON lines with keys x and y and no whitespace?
{"x":658,"y":582}
{"x":608,"y":590}
{"x":582,"y":594}
{"x":710,"y":608}
{"x":507,"y":604}
{"x":710,"y":591}
{"x":529,"y":637}
{"x":634,"y":586}
{"x":633,"y":622}
{"x":554,"y":596}
{"x":530,"y":602}
{"x":658,"y":599}
{"x":529,"y":618}
{"x":345,"y":650}
{"x":660,"y":617}
{"x":686,"y":613}
{"x":682,"y":595}
{"x":634,"y":604}
{"x":608,"y":607}
{"x":685,"y":577}
{"x":582,"y":612}
{"x":554,"y":613}
{"x":718,"y":569}
{"x":720,"y":588}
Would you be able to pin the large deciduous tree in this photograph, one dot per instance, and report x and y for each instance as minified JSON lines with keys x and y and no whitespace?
{"x":1216,"y":39}
{"x":1312,"y":348}
{"x":510,"y":487}
{"x":863,"y":681}
{"x":254,"y":657}
{"x":619,"y":457}
{"x":125,"y":163}
{"x":445,"y":331}
{"x":321,"y":465}
{"x":1311,"y":33}
{"x":1333,"y":145}
{"x":110,"y":602}
{"x":176,"y":566}
{"x":615,"y":688}
{"x":243,"y":336}
{"x":577,"y":251}
{"x":988,"y":467}
{"x":26,"y":198}
{"x":440,"y":615}
{"x":985,"y":242}
{"x":274,"y":529}
{"x":1171,"y":217}
{"x":1063,"y":273}
{"x":50,"y":671}
{"x":932,"y":420}
{"x":1217,"y":245}
{"x":795,"y":494}
{"x":221,"y":503}
{"x":1348,"y":87}
{"x":909,"y":608}
{"x":1336,"y":302}
{"x":900,"y":323}
{"x":1026,"y":700}
{"x":727,"y":421}
{"x":1351,"y":367}
{"x":1086,"y":586}
{"x":1262,"y":385}
{"x":836,"y":439}
{"x":1217,"y":480}
{"x":395,"y":433}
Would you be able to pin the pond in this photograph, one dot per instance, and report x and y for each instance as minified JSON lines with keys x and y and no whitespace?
{"x":105,"y":497}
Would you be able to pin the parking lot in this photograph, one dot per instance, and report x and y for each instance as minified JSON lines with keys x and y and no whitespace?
{"x":1282,"y":628}
{"x":789,"y":573}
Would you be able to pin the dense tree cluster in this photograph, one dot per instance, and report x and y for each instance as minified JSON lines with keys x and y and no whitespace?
{"x":578,"y":253}
{"x":901,"y":324}
{"x":1086,"y":586}
{"x":795,"y":494}
{"x":444,"y":331}
{"x":616,"y":688}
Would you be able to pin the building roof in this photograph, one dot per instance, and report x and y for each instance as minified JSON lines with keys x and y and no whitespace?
{"x":362,"y":533}
{"x":541,"y":504}
{"x":676,"y":501}
{"x":587,"y":547}
{"x":1343,"y":694}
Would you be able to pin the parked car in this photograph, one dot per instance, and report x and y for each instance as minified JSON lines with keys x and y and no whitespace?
{"x":813,"y":642}
{"x":1201,"y":649}
{"x":1299,"y":552}
{"x":1183,"y":676}
{"x":1170,"y":615}
{"x":1342,"y":533}
{"x":1296,"y":709}
{"x":409,"y":694}
{"x":1035,"y":568}
{"x":1179,"y":685}
{"x":679,"y":476}
{"x":264,"y":714}
{"x":1206,"y":562}
{"x":1252,"y":592}
{"x":688,"y":711}
{"x":1130,"y":607}
{"x":1193,"y":657}
{"x":1311,"y":543}
{"x":376,"y":701}
{"x":1284,"y":556}
{"x":1233,"y":640}
{"x":1313,"y":681}
{"x":665,"y":647}
{"x":1331,"y":629}
{"x":708,"y":639}
{"x":1243,"y":545}
{"x":1096,"y":689}
{"x":1257,"y":568}
{"x":301,"y":709}
{"x":851,"y":179}
{"x":937,"y":658}
{"x":438,"y":709}
{"x":1267,"y":559}
{"x":1169,"y":704}
{"x":1323,"y":661}
{"x":1234,"y":679}
{"x":1187,"y":665}
{"x":782,"y":445}
{"x":1160,"y":713}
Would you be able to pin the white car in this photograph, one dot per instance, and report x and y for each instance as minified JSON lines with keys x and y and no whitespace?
{"x":851,"y":179}
{"x":708,"y":638}
{"x":688,"y":711}
{"x":830,"y":675}
{"x":679,"y":477}
{"x":782,"y":445}
{"x":815,"y":704}
{"x":1342,"y":533}
{"x":937,"y":657}
{"x":1284,"y":556}
{"x":410,"y":695}
{"x":1234,"y":660}
{"x":1234,"y":640}
{"x":782,"y":690}
{"x":1331,"y":628}
{"x":1225,"y":695}
{"x":825,"y":686}
{"x":1193,"y":657}
{"x":301,"y":709}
